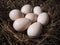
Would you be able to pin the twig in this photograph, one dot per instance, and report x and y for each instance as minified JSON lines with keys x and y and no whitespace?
{"x":42,"y":40}
{"x":7,"y":38}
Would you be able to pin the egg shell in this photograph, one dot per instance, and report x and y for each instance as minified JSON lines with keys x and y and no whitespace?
{"x":31,"y":16}
{"x":37,"y":10}
{"x":21,"y":24}
{"x":43,"y":18}
{"x":15,"y":14}
{"x":34,"y":30}
{"x":26,"y":9}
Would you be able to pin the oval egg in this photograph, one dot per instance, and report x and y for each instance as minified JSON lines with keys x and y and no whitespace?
{"x":21,"y":24}
{"x":34,"y":30}
{"x":26,"y":9}
{"x":37,"y":10}
{"x":43,"y":18}
{"x":15,"y":14}
{"x":31,"y":16}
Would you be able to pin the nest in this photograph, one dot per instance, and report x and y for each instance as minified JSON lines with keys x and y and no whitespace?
{"x":50,"y":33}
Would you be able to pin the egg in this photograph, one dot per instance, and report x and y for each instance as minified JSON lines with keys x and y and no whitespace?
{"x":15,"y":14}
{"x":26,"y":9}
{"x":34,"y":30}
{"x":21,"y":24}
{"x":31,"y":16}
{"x":37,"y":10}
{"x":43,"y":18}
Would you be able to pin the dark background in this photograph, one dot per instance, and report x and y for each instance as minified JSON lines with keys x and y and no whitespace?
{"x":50,"y":34}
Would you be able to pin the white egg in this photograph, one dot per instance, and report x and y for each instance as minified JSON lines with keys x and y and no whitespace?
{"x":31,"y":16}
{"x":21,"y":24}
{"x":26,"y":9}
{"x":15,"y":14}
{"x":37,"y":10}
{"x":43,"y":18}
{"x":34,"y":30}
